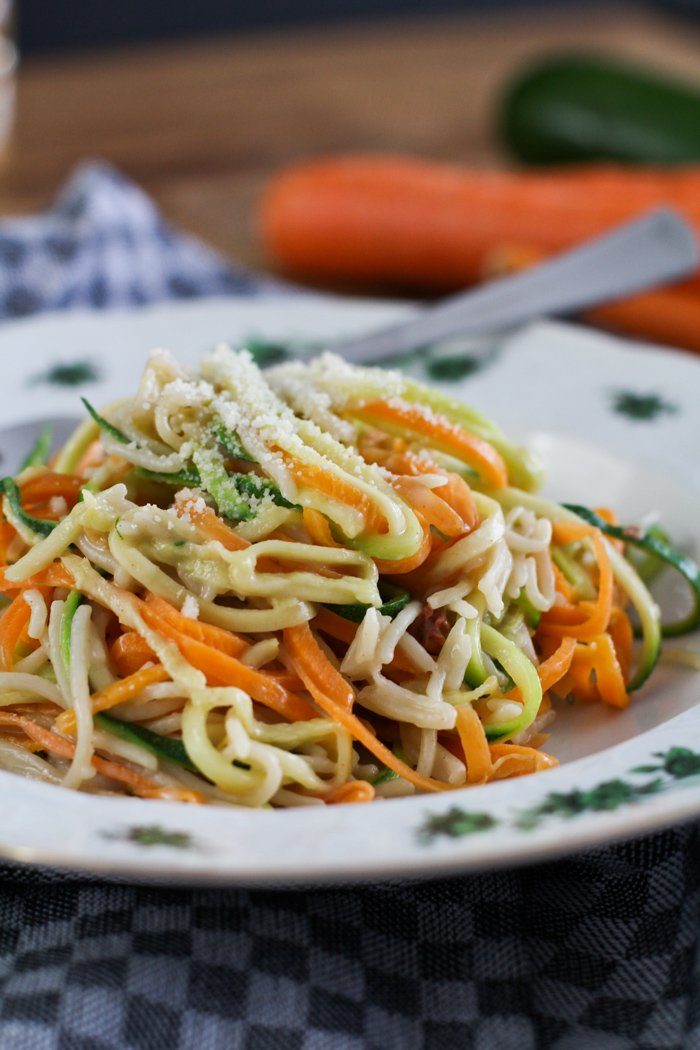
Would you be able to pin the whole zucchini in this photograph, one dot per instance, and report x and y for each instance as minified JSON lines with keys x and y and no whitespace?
{"x":575,"y":107}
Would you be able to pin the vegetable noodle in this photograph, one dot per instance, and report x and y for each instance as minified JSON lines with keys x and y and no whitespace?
{"x":314,"y":585}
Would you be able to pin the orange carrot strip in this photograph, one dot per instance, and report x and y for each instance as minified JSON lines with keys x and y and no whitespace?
{"x":441,"y":433}
{"x":7,"y":535}
{"x":597,"y":614}
{"x":42,"y":487}
{"x":58,"y":745}
{"x":225,"y":641}
{"x":335,"y":626}
{"x":609,"y":677}
{"x":516,"y":760}
{"x":413,"y":561}
{"x":287,"y":679}
{"x":297,"y":641}
{"x":344,"y":630}
{"x":54,"y":575}
{"x":472,"y":737}
{"x":562,"y":584}
{"x":12,"y":625}
{"x":336,"y":488}
{"x":318,"y":668}
{"x":457,"y":494}
{"x":210,"y":524}
{"x":556,"y":666}
{"x":116,"y":693}
{"x":664,"y":315}
{"x":429,"y":505}
{"x":130,"y":652}
{"x":620,"y":630}
{"x":316,"y":524}
{"x":222,"y":669}
{"x":351,"y":791}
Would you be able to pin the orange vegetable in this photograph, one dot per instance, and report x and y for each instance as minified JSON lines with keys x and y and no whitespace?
{"x":441,"y":433}
{"x":516,"y":760}
{"x":556,"y":665}
{"x":351,"y":791}
{"x":12,"y":626}
{"x":299,"y":642}
{"x":665,"y":315}
{"x":562,"y":585}
{"x":344,"y":630}
{"x":116,"y":693}
{"x":54,"y":575}
{"x":412,"y":561}
{"x":139,"y":783}
{"x":42,"y":487}
{"x":428,"y":225}
{"x":130,"y":652}
{"x":7,"y":535}
{"x":224,"y":641}
{"x":222,"y":669}
{"x":586,"y":619}
{"x":336,"y":488}
{"x":475,"y":746}
{"x":457,"y":494}
{"x":335,"y":626}
{"x":430,"y":506}
{"x":596,"y":674}
{"x":318,"y":668}
{"x":316,"y":524}
{"x":622,"y":635}
{"x":210,"y":525}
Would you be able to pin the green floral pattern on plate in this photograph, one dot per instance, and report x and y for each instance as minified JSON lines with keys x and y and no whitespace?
{"x":72,"y":373}
{"x":153,"y":835}
{"x":642,"y":407}
{"x":676,"y":764}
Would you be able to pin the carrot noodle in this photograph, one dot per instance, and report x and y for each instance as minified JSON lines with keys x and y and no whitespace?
{"x":475,"y":746}
{"x":42,"y":487}
{"x":443,"y":434}
{"x":313,"y":585}
{"x":117,"y":693}
{"x":12,"y":626}
{"x":130,"y":652}
{"x":351,"y":791}
{"x":587,"y":619}
{"x":139,"y":783}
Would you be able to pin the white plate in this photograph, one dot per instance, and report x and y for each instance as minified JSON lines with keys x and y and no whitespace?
{"x":617,"y":424}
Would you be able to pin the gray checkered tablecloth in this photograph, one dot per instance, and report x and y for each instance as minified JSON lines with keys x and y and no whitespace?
{"x":598,"y":952}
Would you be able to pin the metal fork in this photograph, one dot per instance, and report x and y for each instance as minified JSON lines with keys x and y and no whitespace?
{"x":656,"y":249}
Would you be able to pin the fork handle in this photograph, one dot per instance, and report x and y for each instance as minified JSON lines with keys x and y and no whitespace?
{"x":657,"y":248}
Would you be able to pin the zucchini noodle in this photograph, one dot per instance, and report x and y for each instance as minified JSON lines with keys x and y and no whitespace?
{"x":315,"y":585}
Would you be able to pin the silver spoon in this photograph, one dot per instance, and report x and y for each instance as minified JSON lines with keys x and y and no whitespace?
{"x":656,"y":249}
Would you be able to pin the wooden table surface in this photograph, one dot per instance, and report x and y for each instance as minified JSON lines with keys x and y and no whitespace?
{"x":202,"y":125}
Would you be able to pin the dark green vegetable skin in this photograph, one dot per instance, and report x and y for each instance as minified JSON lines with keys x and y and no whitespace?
{"x":395,"y":599}
{"x":163,"y":746}
{"x":572,"y":108}
{"x":38,"y":454}
{"x":653,"y":543}
{"x":38,"y":525}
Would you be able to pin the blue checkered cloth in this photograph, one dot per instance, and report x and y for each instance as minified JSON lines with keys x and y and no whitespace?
{"x":598,"y":952}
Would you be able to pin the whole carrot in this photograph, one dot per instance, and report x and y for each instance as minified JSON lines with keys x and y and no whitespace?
{"x":420,"y":224}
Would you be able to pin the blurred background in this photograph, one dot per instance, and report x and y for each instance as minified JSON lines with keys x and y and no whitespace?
{"x":80,"y":23}
{"x":203,"y":103}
